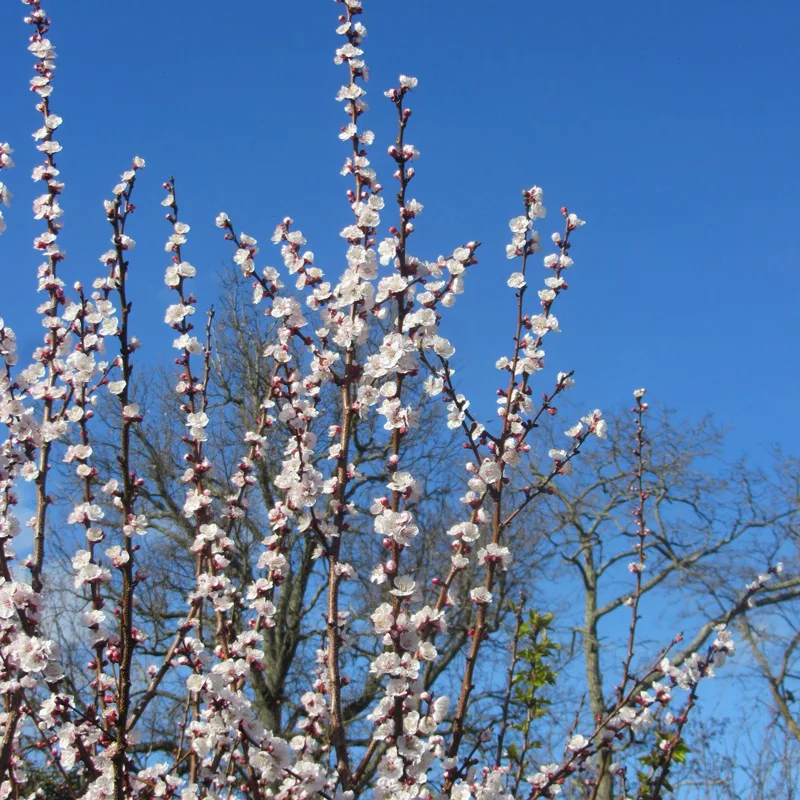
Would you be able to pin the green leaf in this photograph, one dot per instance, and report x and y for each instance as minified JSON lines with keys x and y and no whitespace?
{"x":680,"y":751}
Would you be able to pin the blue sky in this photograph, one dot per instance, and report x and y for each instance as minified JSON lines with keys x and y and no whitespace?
{"x":670,"y":127}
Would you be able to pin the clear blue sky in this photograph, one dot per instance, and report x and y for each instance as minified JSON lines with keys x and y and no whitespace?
{"x":671,"y":127}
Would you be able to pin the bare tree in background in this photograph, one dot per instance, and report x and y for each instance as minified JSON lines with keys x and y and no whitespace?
{"x":712,"y":523}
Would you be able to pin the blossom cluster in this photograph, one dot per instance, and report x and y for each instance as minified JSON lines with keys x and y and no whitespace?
{"x":373,"y":335}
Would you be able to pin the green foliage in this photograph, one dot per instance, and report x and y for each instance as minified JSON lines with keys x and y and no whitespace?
{"x":534,"y":673}
{"x":680,"y":751}
{"x":532,"y":676}
{"x":659,"y":760}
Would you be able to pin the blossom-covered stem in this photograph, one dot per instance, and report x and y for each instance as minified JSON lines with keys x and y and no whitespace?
{"x":602,"y":785}
{"x":355,"y":107}
{"x":356,"y":68}
{"x":478,"y":632}
{"x":510,"y":682}
{"x":565,"y":768}
{"x":45,"y":743}
{"x":210,"y":542}
{"x":525,"y":242}
{"x":263,"y":423}
{"x":534,"y":491}
{"x":166,"y":663}
{"x":82,"y":402}
{"x":442,"y":598}
{"x":403,"y":175}
{"x":9,"y":499}
{"x":177,"y":317}
{"x":469,"y":761}
{"x":267,"y":285}
{"x":564,"y":246}
{"x":47,"y":208}
{"x":652,"y":784}
{"x":637,"y":567}
{"x":469,"y":424}
{"x":479,"y":628}
{"x":529,"y":245}
{"x":118,"y":213}
{"x":337,"y":732}
{"x":235,"y":502}
{"x":527,"y":199}
{"x":338,"y":739}
{"x":250,"y":776}
{"x":631,"y":710}
{"x":6,"y":162}
{"x":667,"y":748}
